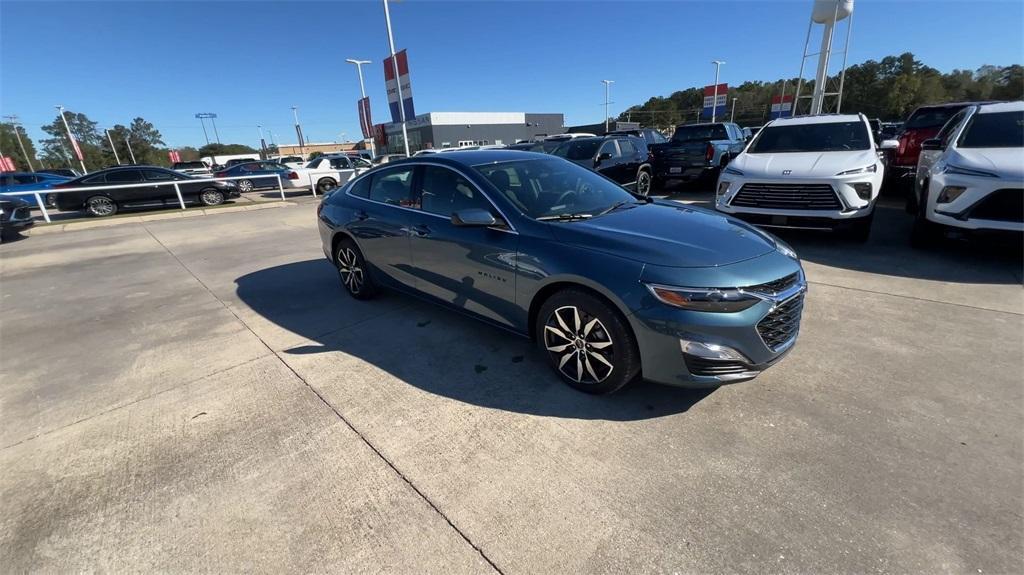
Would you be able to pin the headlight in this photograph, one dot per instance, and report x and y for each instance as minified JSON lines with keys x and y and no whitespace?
{"x":699,"y":299}
{"x":865,"y":170}
{"x":950,"y":193}
{"x":951,"y":169}
{"x":732,"y":171}
{"x":785,"y":249}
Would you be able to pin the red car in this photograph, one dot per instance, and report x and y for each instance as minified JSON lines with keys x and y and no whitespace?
{"x":923,"y":124}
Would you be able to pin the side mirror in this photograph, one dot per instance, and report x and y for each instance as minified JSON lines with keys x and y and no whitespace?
{"x":602,"y":157}
{"x":888,"y":144}
{"x":474,"y":217}
{"x":932,"y":144}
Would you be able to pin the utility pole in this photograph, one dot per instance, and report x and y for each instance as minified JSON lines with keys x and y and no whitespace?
{"x":362,"y":93}
{"x":298,"y":131}
{"x":127,"y":140}
{"x":732,"y":114}
{"x":17,"y":134}
{"x":74,"y":144}
{"x":714,"y":103}
{"x":398,"y":80}
{"x":112,"y":148}
{"x":607,"y":93}
{"x":263,"y":143}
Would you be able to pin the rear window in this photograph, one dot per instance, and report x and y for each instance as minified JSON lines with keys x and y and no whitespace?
{"x":930,"y":117}
{"x":577,"y":149}
{"x":999,"y":130}
{"x":826,"y":137}
{"x":700,"y":133}
{"x":189,"y":166}
{"x":290,"y":159}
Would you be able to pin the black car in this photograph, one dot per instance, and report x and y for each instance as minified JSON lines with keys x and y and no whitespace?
{"x":623,"y":159}
{"x":650,"y":135}
{"x":15,"y":216}
{"x":150,"y":186}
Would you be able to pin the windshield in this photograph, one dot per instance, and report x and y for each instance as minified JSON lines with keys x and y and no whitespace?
{"x":700,"y":132}
{"x":578,"y":149}
{"x":930,"y":117}
{"x":826,"y":137}
{"x":552,"y":187}
{"x":999,"y":130}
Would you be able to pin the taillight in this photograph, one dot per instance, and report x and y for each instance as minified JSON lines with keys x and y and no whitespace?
{"x":293,"y":176}
{"x":709,"y":152}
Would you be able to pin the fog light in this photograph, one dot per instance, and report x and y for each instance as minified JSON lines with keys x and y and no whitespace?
{"x":723,"y":187}
{"x":711,"y":351}
{"x":950,"y":193}
{"x":863,"y":190}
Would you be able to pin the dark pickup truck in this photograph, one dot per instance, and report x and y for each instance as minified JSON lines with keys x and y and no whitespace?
{"x":697,"y":151}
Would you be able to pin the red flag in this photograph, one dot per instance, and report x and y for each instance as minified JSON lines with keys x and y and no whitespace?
{"x":365,"y":123}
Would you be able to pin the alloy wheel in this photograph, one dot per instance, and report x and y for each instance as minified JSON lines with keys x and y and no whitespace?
{"x":245,"y":186}
{"x":325,"y":185}
{"x":350,"y":270}
{"x":101,"y":206}
{"x":212,"y":197}
{"x":643,"y":184}
{"x":580,"y":343}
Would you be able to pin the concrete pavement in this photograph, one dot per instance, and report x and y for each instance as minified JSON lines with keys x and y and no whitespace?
{"x":196,"y":394}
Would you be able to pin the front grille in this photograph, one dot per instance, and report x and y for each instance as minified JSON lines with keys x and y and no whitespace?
{"x":1005,"y":205}
{"x":713,"y":368}
{"x":782,"y":324}
{"x":775,"y":287}
{"x":787,"y":197}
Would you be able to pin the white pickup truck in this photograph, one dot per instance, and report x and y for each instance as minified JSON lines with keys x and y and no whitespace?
{"x":329,"y":172}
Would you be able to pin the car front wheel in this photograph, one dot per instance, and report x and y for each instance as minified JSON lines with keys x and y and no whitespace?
{"x":325,"y":185}
{"x":211,"y":197}
{"x":245,"y":186}
{"x":100,"y":206}
{"x":588,"y":342}
{"x":643,"y":183}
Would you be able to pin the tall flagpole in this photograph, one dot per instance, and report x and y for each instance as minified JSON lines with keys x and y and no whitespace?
{"x":398,"y":80}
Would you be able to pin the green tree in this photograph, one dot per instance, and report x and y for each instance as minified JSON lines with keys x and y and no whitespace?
{"x":9,"y":134}
{"x":57,"y":149}
{"x":224,"y":149}
{"x":147,"y":143}
{"x":315,"y":155}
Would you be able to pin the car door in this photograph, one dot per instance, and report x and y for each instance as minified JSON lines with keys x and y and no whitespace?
{"x":381,"y":205}
{"x":609,"y":167}
{"x":470,"y":268}
{"x":133,"y":195}
{"x":343,"y":166}
{"x":163,"y":185}
{"x":629,"y":160}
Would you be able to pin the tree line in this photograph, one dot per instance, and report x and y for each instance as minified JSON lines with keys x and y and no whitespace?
{"x":888,"y":89}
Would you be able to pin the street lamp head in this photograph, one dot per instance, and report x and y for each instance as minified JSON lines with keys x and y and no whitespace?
{"x":357,"y":62}
{"x":718,"y":62}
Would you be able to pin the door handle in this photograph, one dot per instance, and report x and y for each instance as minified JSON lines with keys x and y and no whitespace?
{"x":360,"y":215}
{"x":420,"y":230}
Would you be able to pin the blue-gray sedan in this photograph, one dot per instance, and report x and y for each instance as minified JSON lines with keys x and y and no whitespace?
{"x":612,"y":286}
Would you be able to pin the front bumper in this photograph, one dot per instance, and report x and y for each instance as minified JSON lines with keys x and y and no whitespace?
{"x":662,"y":333}
{"x":971,"y":209}
{"x":851,"y":206}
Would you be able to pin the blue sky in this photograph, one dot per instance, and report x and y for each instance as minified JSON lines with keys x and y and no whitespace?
{"x":249,"y":62}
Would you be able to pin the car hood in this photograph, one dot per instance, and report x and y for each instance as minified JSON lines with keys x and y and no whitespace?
{"x":1004,"y":162}
{"x":667,"y":234}
{"x":803,"y":164}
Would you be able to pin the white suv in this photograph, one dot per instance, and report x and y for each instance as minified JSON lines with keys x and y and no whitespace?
{"x":819,"y":172}
{"x":972,"y":175}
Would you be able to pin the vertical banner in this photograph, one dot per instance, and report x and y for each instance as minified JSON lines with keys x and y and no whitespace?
{"x":74,"y":145}
{"x":392,"y":84}
{"x":173,"y":156}
{"x":7,"y":164}
{"x":782,"y":106}
{"x":380,"y":137}
{"x":709,"y":103}
{"x":298,"y":132}
{"x":365,"y":122}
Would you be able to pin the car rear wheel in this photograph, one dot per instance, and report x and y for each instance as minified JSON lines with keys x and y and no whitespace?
{"x":643,"y":183}
{"x":211,"y":197}
{"x":325,"y":185}
{"x":100,"y":206}
{"x":245,"y":186}
{"x":352,"y":271}
{"x":588,"y":342}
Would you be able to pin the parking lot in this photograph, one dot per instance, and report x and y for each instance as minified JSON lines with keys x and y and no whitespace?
{"x":186,"y":394}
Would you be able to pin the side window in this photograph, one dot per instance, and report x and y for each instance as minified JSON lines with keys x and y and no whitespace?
{"x":361,"y":187}
{"x":95,"y":179}
{"x":25,"y":179}
{"x":393,"y":187}
{"x":609,"y":148}
{"x":340,"y":163}
{"x":949,"y":129}
{"x":157,"y":176}
{"x":627,"y":147}
{"x":124,"y":177}
{"x":444,"y":192}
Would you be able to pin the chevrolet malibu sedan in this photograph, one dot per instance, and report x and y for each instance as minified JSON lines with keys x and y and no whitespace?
{"x":611,"y":286}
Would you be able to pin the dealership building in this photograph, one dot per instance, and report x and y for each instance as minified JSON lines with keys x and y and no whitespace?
{"x":455,"y":129}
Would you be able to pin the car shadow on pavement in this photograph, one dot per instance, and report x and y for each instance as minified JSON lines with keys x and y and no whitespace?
{"x":436,"y":350}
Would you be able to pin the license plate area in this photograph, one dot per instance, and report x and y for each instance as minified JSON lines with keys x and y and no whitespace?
{"x":780,"y":220}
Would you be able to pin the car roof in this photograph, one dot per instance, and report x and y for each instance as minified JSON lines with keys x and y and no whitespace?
{"x":1001,"y":107}
{"x":817,"y":119}
{"x":468,"y":158}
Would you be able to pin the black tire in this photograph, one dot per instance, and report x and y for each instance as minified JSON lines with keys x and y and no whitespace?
{"x":644,"y":182}
{"x":352,"y":271}
{"x":100,"y":206}
{"x":325,"y":185}
{"x":588,"y":342}
{"x":211,"y":197}
{"x":860,"y":230}
{"x":245,"y":186}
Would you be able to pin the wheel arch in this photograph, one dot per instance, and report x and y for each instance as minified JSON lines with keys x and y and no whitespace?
{"x":551,"y":288}
{"x":339,"y":236}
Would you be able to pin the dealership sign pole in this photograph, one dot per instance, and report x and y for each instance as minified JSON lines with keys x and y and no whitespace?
{"x":396,"y":77}
{"x":74,"y":144}
{"x":14,"y":125}
{"x":112,"y":148}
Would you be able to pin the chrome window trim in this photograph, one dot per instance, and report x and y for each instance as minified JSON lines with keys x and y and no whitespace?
{"x":511,"y":229}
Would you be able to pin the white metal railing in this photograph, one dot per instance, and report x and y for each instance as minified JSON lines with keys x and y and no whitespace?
{"x":177,"y":189}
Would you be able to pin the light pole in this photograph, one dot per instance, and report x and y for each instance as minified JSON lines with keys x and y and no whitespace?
{"x":112,"y":148}
{"x":127,"y":141}
{"x":74,"y":144}
{"x":298,"y":131}
{"x":362,"y":94}
{"x":263,"y":143}
{"x":714,"y":103}
{"x":732,"y":114}
{"x":208,"y":116}
{"x":17,"y":134}
{"x":607,"y":93}
{"x":398,"y":80}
